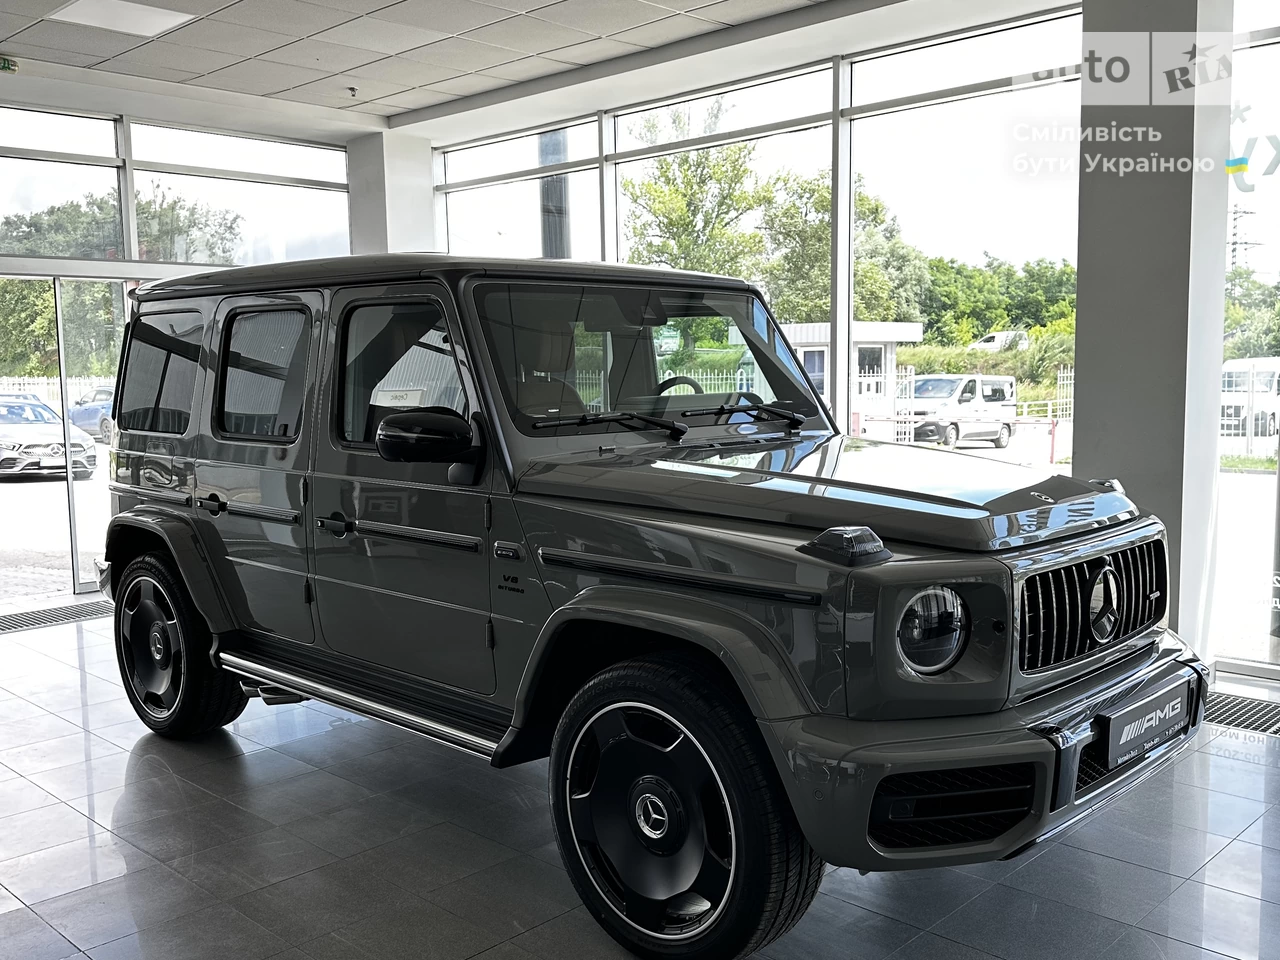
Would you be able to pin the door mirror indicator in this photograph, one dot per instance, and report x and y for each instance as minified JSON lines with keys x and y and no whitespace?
{"x":425,"y":435}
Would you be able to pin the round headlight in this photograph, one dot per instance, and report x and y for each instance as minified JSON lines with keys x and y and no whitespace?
{"x":933,"y":630}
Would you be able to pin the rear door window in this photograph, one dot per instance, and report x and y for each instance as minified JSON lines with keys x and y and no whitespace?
{"x":264,"y":374}
{"x":160,"y":367}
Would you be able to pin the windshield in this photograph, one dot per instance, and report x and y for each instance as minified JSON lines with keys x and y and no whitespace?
{"x":566,"y":350}
{"x":1237,"y":381}
{"x":12,"y":412}
{"x":936,"y":388}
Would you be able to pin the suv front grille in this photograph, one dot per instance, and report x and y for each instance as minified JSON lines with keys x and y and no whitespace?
{"x":1054,"y":625}
{"x":941,"y":807}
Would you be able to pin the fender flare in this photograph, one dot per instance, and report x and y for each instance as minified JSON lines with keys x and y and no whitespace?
{"x":179,"y":537}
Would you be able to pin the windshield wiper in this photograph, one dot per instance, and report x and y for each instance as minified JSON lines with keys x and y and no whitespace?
{"x":636,"y":421}
{"x":755,"y":410}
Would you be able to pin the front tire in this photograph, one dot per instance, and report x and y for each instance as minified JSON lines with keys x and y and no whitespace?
{"x":1002,"y":440}
{"x":670,"y":816}
{"x":952,"y":436}
{"x":162,"y":645}
{"x":104,"y":430}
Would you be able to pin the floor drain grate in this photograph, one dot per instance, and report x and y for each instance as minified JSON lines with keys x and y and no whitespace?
{"x":1244,"y":713}
{"x":43,"y":618}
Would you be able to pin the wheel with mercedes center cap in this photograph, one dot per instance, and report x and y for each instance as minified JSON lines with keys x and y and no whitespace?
{"x":670,"y":816}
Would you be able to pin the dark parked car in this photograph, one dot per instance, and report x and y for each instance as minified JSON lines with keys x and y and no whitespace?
{"x":457,"y":496}
{"x":92,"y":413}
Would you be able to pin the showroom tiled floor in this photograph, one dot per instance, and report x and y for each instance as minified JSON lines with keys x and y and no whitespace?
{"x":306,"y":832}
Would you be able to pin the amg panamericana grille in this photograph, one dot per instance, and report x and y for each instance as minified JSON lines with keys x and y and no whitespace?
{"x":1054,"y":623}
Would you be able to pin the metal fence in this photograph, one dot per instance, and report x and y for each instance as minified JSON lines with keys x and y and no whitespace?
{"x":49,"y":390}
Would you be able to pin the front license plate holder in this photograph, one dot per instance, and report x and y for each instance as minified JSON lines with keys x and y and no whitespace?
{"x":1138,"y":728}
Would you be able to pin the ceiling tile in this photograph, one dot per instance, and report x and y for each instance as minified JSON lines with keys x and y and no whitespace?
{"x":380,"y":35}
{"x":48,"y":55}
{"x":319,"y":55}
{"x":259,"y":77}
{"x":416,"y":99}
{"x":666,"y":31}
{"x":376,"y":109}
{"x":470,"y":83}
{"x":451,"y":16}
{"x":593,"y":51}
{"x":601,"y":17}
{"x":293,"y":17}
{"x":227,"y":38}
{"x":522,"y":6}
{"x":462,"y":54}
{"x":411,"y":73}
{"x":354,"y":6}
{"x":11,"y":23}
{"x":303,"y":95}
{"x":740,"y":11}
{"x":528,"y":35}
{"x":174,"y":56}
{"x":198,"y":7}
{"x":93,"y":41}
{"x":150,"y":71}
{"x":339,"y":86}
{"x":35,"y":9}
{"x":528,"y":68}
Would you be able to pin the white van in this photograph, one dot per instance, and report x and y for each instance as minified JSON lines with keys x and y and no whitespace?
{"x":1240,"y":403}
{"x":1002,"y":340}
{"x":952,"y":408}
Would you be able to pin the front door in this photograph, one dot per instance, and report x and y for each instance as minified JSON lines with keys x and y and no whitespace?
{"x":402,"y":553}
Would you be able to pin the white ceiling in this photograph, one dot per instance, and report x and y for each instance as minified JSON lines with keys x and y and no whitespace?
{"x":366,"y":57}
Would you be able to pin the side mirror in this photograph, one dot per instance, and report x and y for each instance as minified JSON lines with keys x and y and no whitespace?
{"x":966,"y":399}
{"x":425,"y":435}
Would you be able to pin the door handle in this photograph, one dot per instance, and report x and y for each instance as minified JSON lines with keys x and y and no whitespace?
{"x":212,"y":503}
{"x":336,"y":524}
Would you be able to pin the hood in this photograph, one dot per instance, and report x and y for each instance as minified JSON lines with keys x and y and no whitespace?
{"x":25,"y":433}
{"x":903,"y":493}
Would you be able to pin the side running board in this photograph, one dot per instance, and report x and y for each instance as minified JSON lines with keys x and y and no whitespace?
{"x":423,"y":726}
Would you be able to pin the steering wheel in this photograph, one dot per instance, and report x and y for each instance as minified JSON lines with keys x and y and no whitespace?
{"x":667,"y":384}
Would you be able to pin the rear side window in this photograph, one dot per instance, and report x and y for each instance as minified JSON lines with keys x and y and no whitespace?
{"x":264,"y":374}
{"x":160,"y":367}
{"x":993,"y":391}
{"x":396,"y":356}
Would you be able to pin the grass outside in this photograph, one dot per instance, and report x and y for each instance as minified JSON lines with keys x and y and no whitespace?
{"x":1237,"y":462}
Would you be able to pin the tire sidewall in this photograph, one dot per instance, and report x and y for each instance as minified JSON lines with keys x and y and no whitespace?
{"x":745,"y":900}
{"x":148,"y":566}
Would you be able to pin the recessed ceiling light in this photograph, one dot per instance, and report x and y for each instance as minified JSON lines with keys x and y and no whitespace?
{"x":121,"y":16}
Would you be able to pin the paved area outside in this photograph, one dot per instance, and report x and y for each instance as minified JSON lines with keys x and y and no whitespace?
{"x":308,"y":833}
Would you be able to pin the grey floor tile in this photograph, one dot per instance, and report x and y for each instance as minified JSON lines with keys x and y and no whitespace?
{"x":15,"y":708}
{"x":344,"y":741}
{"x":918,"y":897}
{"x":999,"y":869}
{"x":1225,"y":775}
{"x":98,"y":715}
{"x":6,"y":774}
{"x":1148,"y":842}
{"x":522,"y":821}
{"x":549,"y":853}
{"x":36,"y":728}
{"x":1245,"y":745}
{"x":296,"y":797}
{"x":1012,"y":923}
{"x":42,"y":827}
{"x":836,"y":930}
{"x":9,"y":902}
{"x":930,"y":947}
{"x":362,"y":825}
{"x":251,"y":863}
{"x":504,"y":951}
{"x":142,"y":800}
{"x":1144,"y":945}
{"x":283,"y":726}
{"x":177,"y":756}
{"x":94,"y":776}
{"x":509,"y":898}
{"x":1245,"y":868}
{"x":1265,"y":831}
{"x":18,"y":795}
{"x":60,"y":752}
{"x":439,"y":795}
{"x":393,"y":768}
{"x":1112,"y":888}
{"x":84,"y":690}
{"x":421,"y":931}
{"x":320,"y":901}
{"x":237,"y":774}
{"x":1219,"y":921}
{"x":1186,"y":805}
{"x":433,"y":857}
{"x":116,"y":908}
{"x":70,"y":866}
{"x":190,"y":831}
{"x":24,"y":936}
{"x":216,"y":933}
{"x":572,"y":934}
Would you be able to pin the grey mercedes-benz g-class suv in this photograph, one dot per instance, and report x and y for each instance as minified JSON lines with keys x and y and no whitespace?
{"x":471,"y":498}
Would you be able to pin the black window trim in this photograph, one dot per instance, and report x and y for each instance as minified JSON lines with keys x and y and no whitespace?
{"x":216,"y":410}
{"x":122,"y":373}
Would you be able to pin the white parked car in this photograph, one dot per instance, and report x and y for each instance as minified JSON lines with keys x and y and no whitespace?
{"x":965,"y":407}
{"x":1240,"y":403}
{"x":32,"y":441}
{"x":1002,"y":340}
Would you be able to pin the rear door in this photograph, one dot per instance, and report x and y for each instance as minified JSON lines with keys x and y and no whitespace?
{"x":401,"y":549}
{"x":256,"y":442}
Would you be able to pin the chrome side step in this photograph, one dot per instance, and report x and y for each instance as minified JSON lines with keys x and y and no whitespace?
{"x":432,"y":730}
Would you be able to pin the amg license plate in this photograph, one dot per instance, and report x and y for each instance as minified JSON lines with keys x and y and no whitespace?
{"x":1135,"y":730}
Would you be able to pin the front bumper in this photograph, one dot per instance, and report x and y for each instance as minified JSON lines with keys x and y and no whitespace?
{"x":833,"y":766}
{"x":929,"y":432}
{"x":13,"y":463}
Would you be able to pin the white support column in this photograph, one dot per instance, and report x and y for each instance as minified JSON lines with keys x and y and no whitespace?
{"x":608,"y":171}
{"x":392,"y":194}
{"x":839,"y":373}
{"x":1152,"y":267}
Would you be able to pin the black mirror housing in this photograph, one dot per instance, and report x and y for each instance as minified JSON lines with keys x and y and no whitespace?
{"x":425,"y":435}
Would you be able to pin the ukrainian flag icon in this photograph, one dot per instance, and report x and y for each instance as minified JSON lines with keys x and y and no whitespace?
{"x":1238,"y":165}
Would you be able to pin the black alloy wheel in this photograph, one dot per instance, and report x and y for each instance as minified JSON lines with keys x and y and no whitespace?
{"x":152,"y":650}
{"x":650,"y":820}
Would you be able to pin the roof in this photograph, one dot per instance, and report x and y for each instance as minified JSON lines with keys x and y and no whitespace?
{"x":384,"y":267}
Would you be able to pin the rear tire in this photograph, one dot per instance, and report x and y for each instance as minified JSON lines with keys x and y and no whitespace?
{"x":670,"y":817}
{"x":104,"y":430}
{"x":1002,"y":440}
{"x":951,"y":437}
{"x":162,"y":645}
